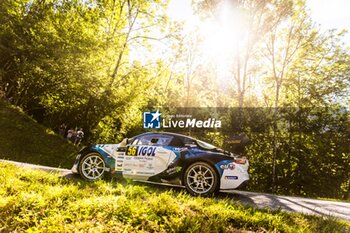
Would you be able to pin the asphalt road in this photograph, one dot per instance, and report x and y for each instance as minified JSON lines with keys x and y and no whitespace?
{"x":336,"y":209}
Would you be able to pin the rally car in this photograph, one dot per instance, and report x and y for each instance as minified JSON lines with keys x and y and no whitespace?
{"x":165,"y":158}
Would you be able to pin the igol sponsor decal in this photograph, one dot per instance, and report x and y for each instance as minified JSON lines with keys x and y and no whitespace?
{"x":142,"y":150}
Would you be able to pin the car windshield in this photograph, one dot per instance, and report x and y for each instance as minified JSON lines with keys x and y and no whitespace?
{"x":205,"y":145}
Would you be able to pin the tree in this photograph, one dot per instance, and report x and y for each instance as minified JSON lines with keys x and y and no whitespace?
{"x":283,"y":43}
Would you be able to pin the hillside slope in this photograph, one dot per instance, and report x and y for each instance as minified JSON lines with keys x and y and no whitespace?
{"x":23,"y":139}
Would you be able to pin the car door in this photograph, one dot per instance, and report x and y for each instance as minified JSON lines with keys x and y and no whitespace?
{"x":147,"y":156}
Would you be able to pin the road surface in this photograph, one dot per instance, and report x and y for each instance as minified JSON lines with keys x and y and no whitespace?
{"x":336,"y":209}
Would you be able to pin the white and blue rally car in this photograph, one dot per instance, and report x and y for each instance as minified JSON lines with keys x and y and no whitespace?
{"x":165,"y":158}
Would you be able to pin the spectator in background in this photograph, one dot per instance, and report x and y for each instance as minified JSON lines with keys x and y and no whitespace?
{"x":70,"y":134}
{"x":10,"y":100}
{"x":74,"y":135}
{"x":62,"y":129}
{"x":2,"y":93}
{"x":79,"y":137}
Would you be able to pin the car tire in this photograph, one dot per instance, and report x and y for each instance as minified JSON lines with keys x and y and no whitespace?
{"x":92,"y":166}
{"x":200,"y":178}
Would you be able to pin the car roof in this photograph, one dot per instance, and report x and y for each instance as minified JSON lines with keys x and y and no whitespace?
{"x":167,"y":133}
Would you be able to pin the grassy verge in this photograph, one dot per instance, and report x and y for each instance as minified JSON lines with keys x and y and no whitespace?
{"x":32,"y":200}
{"x":22,"y":139}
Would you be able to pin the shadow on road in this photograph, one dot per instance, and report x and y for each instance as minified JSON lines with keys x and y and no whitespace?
{"x":257,"y":201}
{"x":291,"y":204}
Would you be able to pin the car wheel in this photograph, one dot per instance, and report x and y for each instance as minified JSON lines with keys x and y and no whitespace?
{"x":92,"y":167}
{"x":201,"y":179}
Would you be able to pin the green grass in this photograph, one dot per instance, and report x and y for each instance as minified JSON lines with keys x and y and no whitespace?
{"x":35,"y":201}
{"x":23,"y":139}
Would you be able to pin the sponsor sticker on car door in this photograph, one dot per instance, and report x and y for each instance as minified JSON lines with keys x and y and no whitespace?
{"x":142,"y":162}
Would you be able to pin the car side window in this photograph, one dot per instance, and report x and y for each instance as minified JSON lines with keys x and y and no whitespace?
{"x":176,"y":142}
{"x":143,"y":140}
{"x":153,"y":140}
{"x":189,"y":142}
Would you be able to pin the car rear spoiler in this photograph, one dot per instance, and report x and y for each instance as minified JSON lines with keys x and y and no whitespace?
{"x":237,"y":144}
